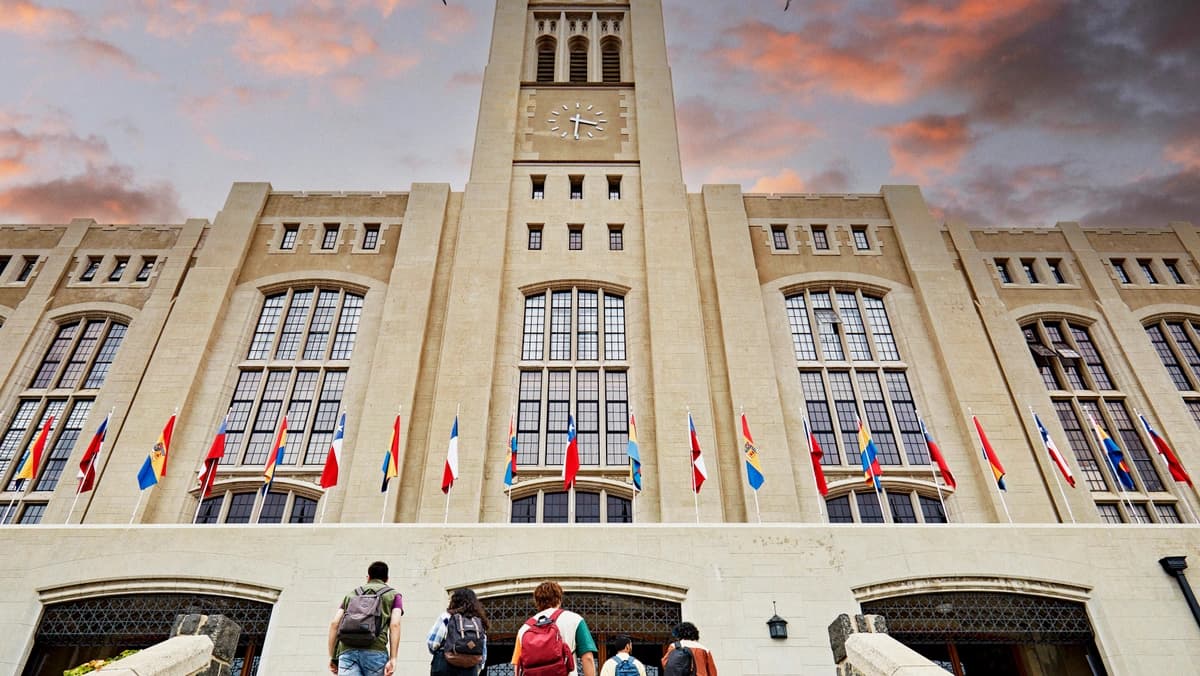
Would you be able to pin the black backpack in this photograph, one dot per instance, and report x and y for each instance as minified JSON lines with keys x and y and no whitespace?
{"x":362,"y":620}
{"x":680,"y":662}
{"x":464,"y":641}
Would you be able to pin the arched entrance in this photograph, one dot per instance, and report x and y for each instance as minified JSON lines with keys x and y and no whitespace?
{"x":75,"y":631}
{"x":647,"y":620}
{"x":986,"y":633}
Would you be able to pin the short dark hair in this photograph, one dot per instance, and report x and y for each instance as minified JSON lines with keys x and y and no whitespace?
{"x":618,"y":643}
{"x":378,"y":571}
{"x":686,"y":631}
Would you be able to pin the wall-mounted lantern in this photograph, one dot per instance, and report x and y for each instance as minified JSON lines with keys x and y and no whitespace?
{"x":777,"y":625}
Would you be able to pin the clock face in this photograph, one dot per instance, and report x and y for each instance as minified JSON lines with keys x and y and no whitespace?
{"x":577,"y":121}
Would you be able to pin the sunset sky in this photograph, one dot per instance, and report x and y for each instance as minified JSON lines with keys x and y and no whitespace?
{"x":1006,"y":112}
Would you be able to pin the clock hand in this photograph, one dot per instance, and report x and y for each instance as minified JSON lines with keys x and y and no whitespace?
{"x":576,"y":121}
{"x":582,"y":121}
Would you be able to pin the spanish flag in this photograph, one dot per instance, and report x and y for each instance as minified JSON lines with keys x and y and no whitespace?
{"x":155,"y":465}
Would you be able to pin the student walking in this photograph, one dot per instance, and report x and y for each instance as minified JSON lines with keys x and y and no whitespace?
{"x":622,"y":663}
{"x":458,"y":638}
{"x":686,"y":656}
{"x":365,"y":632}
{"x":550,"y":641}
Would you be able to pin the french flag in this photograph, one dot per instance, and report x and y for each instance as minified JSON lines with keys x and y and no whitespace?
{"x":450,"y":471}
{"x":333,"y":459}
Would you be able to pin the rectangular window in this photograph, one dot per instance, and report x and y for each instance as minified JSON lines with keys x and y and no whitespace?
{"x":1056,"y":272}
{"x":616,"y":417}
{"x":869,"y":510}
{"x":143,"y":274}
{"x":861,"y":242}
{"x":241,"y":506}
{"x":370,"y":237}
{"x":4,"y":264}
{"x":1002,"y":270}
{"x":587,"y":326}
{"x":535,"y":327}
{"x":54,"y":407}
{"x":619,"y":510}
{"x":614,"y":328}
{"x":587,"y":417}
{"x":329,"y":239}
{"x":779,"y":237}
{"x":820,"y":237}
{"x":877,"y":418}
{"x":32,"y":514}
{"x":839,"y":510}
{"x":58,"y":454}
{"x":538,"y":188}
{"x":1167,"y":514}
{"x":1077,"y":439}
{"x":529,"y":416}
{"x":90,"y":269}
{"x":616,"y":238}
{"x":1110,"y":513}
{"x":560,"y":326}
{"x":272,"y":508}
{"x":576,"y":187}
{"x":555,"y":508}
{"x":26,"y":270}
{"x":1147,"y":270}
{"x":932,"y":511}
{"x":1172,"y":267}
{"x":535,"y":237}
{"x":819,"y":419}
{"x":524,"y":510}
{"x":575,"y":238}
{"x":558,"y":405}
{"x":1118,"y":265}
{"x":210,"y":510}
{"x":587,"y":508}
{"x":802,"y":338}
{"x":290,"y":232}
{"x":118,"y":270}
{"x":1030,"y":273}
{"x":614,"y":187}
{"x":902,"y":508}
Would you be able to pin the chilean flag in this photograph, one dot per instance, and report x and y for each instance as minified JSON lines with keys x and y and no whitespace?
{"x":1059,"y":461}
{"x":333,"y":459}
{"x":699,"y":472}
{"x":571,"y":465}
{"x":87,"y":466}
{"x":208,"y":473}
{"x":936,"y":454}
{"x":450,"y":471}
{"x":1178,"y":473}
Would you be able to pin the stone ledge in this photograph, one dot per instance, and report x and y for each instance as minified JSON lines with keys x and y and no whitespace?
{"x":179,"y":656}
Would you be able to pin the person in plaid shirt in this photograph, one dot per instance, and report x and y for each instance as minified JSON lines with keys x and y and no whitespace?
{"x":463,"y":602}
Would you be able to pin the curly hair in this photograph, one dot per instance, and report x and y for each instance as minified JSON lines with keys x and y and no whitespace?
{"x":548,"y":594}
{"x":464,"y":602}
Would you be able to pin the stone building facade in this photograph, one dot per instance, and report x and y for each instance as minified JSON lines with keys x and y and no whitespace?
{"x":576,"y":276}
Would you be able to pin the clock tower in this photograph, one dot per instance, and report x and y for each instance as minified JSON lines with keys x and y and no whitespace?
{"x":574,"y":258}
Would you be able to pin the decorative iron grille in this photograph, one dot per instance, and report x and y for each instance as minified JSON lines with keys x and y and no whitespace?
{"x":605,"y":614}
{"x":141,"y":620}
{"x":983,"y":618}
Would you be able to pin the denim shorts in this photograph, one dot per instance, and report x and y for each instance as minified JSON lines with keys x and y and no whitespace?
{"x":362,"y":663}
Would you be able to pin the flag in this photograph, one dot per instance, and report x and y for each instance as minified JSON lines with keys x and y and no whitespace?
{"x":571,"y":464}
{"x":450,"y":471}
{"x":276,"y":457}
{"x":510,"y":468}
{"x":815,"y":452}
{"x":1178,"y":473}
{"x":33,"y":458}
{"x":754,"y":475}
{"x":1055,"y":455}
{"x":208,"y":471}
{"x":87,"y":465}
{"x":333,"y":458}
{"x":870,"y":457}
{"x":935,"y":454}
{"x":699,"y":471}
{"x":997,"y":468}
{"x":1116,"y":457}
{"x":391,"y":459}
{"x":635,"y":457}
{"x":155,"y":465}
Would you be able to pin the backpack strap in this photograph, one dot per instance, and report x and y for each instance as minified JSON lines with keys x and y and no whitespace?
{"x":555,"y":614}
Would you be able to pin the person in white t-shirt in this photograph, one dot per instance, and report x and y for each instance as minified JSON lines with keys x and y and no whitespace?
{"x":620,"y":646}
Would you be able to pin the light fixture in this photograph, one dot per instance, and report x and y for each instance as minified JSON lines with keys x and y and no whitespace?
{"x":777,"y":625}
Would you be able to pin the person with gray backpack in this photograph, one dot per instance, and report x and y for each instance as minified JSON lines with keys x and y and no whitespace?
{"x":365,"y":633}
{"x":622,"y":663}
{"x":458,"y":638}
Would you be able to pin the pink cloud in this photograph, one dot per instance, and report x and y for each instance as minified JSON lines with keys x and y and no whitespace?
{"x":93,"y":52}
{"x":106,"y":194}
{"x":29,"y":18}
{"x":348,"y":88}
{"x":1185,"y":153}
{"x":449,"y":23}
{"x":465,"y":78}
{"x":929,"y":143}
{"x":306,"y":42}
{"x":786,"y":181}
{"x":713,"y":136}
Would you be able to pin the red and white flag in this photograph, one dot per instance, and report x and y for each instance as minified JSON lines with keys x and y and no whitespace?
{"x":333,"y":459}
{"x":216,"y":451}
{"x":450,"y":471}
{"x":1059,"y":461}
{"x":699,"y":471}
{"x":87,"y":466}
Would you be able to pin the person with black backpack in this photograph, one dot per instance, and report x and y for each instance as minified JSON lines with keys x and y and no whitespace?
{"x":622,"y":663}
{"x":549,"y":642}
{"x":365,"y":633}
{"x":686,"y":656}
{"x":458,"y":638}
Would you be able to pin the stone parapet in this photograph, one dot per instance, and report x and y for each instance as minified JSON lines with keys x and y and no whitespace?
{"x":862,"y":647}
{"x":178,"y":656}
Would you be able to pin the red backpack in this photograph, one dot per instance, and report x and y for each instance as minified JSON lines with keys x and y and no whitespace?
{"x":543,"y":651}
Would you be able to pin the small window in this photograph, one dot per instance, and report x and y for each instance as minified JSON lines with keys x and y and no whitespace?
{"x":90,"y":270}
{"x":26,"y":268}
{"x":143,"y":273}
{"x":1002,"y":270}
{"x":119,"y":269}
{"x":539,"y":187}
{"x":290,"y":230}
{"x":820,"y":237}
{"x":577,"y":64}
{"x":575,"y":238}
{"x":1110,"y":513}
{"x":1170,"y":264}
{"x":616,"y":238}
{"x":329,"y":240}
{"x":370,"y":236}
{"x":779,"y":237}
{"x":1118,"y":265}
{"x":1147,"y":268}
{"x":610,"y":60}
{"x":1056,"y":272}
{"x":524,"y":510}
{"x":860,"y":238}
{"x":576,"y":187}
{"x":4,"y":264}
{"x":535,"y":238}
{"x":545,"y":58}
{"x":1030,"y":273}
{"x":614,"y":187}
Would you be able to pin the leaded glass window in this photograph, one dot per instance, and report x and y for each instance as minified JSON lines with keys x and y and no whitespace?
{"x":606,"y":506}
{"x":865,"y":506}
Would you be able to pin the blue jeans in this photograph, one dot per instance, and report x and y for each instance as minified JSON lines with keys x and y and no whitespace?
{"x":362,"y":663}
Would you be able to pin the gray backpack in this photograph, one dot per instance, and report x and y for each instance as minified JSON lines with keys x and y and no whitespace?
{"x":362,"y":621}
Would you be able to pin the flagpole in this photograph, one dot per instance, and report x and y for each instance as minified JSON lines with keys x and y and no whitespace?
{"x":12,"y":503}
{"x":1003,"y":502}
{"x":692,"y":467}
{"x":1116,"y":475}
{"x":808,"y":443}
{"x":136,"y":505}
{"x":1157,"y":452}
{"x":1057,"y":481}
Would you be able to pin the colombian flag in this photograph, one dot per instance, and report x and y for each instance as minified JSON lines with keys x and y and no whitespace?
{"x":391,"y":460}
{"x":510,"y":470}
{"x":33,"y":458}
{"x":754,"y":473}
{"x":155,"y":465}
{"x":635,"y":457}
{"x":1116,"y":457}
{"x":276,"y":457}
{"x":997,"y":468}
{"x":870,"y":457}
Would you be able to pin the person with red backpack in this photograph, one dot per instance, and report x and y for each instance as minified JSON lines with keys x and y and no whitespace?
{"x":365,"y":633}
{"x":549,"y":642}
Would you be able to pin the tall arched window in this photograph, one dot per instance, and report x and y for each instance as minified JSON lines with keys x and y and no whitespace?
{"x":1176,"y":341}
{"x":546,"y":47}
{"x":573,"y":363}
{"x":297,"y":362}
{"x":578,"y":60}
{"x":1083,"y":390}
{"x":64,"y":385}
{"x":850,"y":368}
{"x":610,"y":59}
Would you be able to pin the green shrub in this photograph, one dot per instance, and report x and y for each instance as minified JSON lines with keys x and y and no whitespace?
{"x":89,"y":667}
